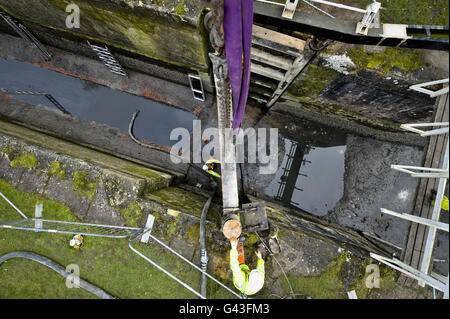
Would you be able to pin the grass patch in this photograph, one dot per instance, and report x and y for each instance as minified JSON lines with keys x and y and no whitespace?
{"x":431,"y":12}
{"x":105,"y":262}
{"x":27,"y":160}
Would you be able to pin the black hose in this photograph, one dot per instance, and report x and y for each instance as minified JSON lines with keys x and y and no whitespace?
{"x":202,"y":240}
{"x":131,"y":134}
{"x":58,"y":268}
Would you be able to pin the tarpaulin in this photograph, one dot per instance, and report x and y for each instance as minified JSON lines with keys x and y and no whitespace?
{"x":237,"y":26}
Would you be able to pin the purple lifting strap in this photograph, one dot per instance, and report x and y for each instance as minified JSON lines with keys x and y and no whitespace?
{"x":237,"y":25}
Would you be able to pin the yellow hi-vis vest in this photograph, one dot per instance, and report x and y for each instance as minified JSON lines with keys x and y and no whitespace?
{"x":444,"y":204}
{"x":241,"y":273}
{"x":210,"y":171}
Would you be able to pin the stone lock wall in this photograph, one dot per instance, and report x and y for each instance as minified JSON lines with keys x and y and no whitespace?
{"x":170,"y":31}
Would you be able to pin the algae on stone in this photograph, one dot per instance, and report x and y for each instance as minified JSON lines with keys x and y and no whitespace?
{"x":312,"y":81}
{"x":133,"y":214}
{"x":27,"y":160}
{"x":404,"y":59}
{"x":81,"y":185}
{"x":55,"y":170}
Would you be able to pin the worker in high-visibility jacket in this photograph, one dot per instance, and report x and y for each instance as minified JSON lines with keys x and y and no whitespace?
{"x":211,"y":166}
{"x":246,"y":281}
{"x":445,"y":202}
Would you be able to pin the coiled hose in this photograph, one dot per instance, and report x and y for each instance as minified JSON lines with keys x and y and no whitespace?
{"x":58,"y":268}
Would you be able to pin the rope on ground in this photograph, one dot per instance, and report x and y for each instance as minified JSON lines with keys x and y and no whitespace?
{"x":58,"y":268}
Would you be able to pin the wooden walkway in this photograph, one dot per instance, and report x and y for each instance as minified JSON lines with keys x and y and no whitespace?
{"x":415,"y":245}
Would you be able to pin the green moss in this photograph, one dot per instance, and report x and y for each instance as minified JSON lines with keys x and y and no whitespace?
{"x":154,"y":180}
{"x":312,"y":81}
{"x":55,"y":170}
{"x":136,"y":30}
{"x":193,"y":233}
{"x":81,"y":185}
{"x":404,"y":59}
{"x":252,"y":239}
{"x":326,"y":286}
{"x":184,"y":201}
{"x":7,"y":150}
{"x":132,"y":214}
{"x":172,"y":230}
{"x":388,"y":281}
{"x":27,"y":160}
{"x":180,"y":8}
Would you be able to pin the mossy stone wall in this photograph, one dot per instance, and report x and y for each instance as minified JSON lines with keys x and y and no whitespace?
{"x":161,"y":30}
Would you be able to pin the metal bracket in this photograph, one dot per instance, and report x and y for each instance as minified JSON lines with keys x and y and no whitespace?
{"x":421,"y":88}
{"x":148,"y":228}
{"x":372,"y":10}
{"x":289,"y":9}
{"x":254,"y":217}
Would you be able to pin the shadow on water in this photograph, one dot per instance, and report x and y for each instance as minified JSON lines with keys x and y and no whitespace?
{"x":93,"y":102}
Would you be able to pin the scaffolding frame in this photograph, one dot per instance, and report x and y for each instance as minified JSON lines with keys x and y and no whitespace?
{"x":436,"y":281}
{"x":414,"y":128}
{"x":421,"y":88}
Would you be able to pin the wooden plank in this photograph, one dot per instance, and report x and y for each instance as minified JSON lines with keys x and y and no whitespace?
{"x":277,"y":41}
{"x":267,"y":72}
{"x":434,"y":157}
{"x":270,"y":59}
{"x":437,"y":161}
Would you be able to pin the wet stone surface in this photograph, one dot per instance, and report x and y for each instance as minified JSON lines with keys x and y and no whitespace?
{"x":388,"y":99}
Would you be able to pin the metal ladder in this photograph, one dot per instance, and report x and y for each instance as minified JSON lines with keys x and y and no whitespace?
{"x":21,"y":30}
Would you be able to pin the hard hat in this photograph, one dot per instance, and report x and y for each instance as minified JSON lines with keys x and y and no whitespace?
{"x":72,"y":242}
{"x":205,"y":167}
{"x":255,"y":281}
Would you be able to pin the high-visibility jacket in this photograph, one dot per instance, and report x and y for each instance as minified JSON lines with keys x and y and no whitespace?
{"x":444,"y":204}
{"x":211,"y":171}
{"x":242,"y":272}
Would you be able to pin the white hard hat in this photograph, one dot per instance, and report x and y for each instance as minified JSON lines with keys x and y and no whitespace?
{"x":255,"y":281}
{"x":205,"y":167}
{"x":72,"y":242}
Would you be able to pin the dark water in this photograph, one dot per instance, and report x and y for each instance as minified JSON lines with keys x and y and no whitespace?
{"x":311,"y":165}
{"x":93,"y":102}
{"x":310,"y":178}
